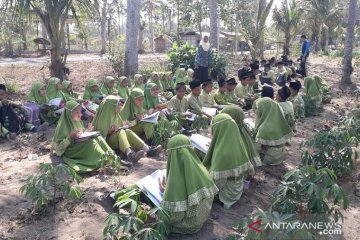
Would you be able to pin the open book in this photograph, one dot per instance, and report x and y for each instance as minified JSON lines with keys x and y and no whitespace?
{"x":200,"y":142}
{"x":249,"y":122}
{"x":87,"y":136}
{"x":152,"y":118}
{"x":192,"y":117}
{"x":210,"y":111}
{"x":55,"y":102}
{"x":90,"y":108}
{"x":150,"y":186}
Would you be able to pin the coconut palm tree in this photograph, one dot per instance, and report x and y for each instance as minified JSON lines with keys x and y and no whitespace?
{"x":289,"y":20}
{"x":214,"y":28}
{"x":53,"y":15}
{"x":347,"y":65}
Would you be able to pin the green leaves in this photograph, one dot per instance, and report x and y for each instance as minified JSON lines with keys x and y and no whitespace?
{"x":109,"y":160}
{"x":50,"y":183}
{"x":136,"y":219}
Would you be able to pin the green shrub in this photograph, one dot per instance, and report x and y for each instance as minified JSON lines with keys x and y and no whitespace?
{"x":109,"y":161}
{"x":116,"y":58}
{"x":310,"y":107}
{"x":219,"y":66}
{"x":308,"y":190}
{"x":51,"y":183}
{"x":184,"y":54}
{"x":136,"y":220}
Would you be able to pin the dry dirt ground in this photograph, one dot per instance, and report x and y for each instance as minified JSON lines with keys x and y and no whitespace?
{"x":84,"y":219}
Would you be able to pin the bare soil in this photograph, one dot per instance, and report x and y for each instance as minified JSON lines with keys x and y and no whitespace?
{"x":84,"y":219}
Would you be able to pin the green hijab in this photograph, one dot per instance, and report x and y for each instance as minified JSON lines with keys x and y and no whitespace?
{"x":237,"y":114}
{"x":88,"y":94}
{"x":150,"y":101}
{"x":158,"y":81}
{"x":190,"y":74}
{"x":167,"y":84}
{"x":130,"y":110}
{"x":35,"y":96}
{"x":123,"y":91}
{"x":51,"y":91}
{"x":312,"y":87}
{"x":322,"y":84}
{"x":105,"y":89}
{"x":66,"y":124}
{"x":136,"y":85}
{"x":222,"y":159}
{"x":187,"y":180}
{"x":271,"y":128}
{"x":66,"y":95}
{"x":180,"y":76}
{"x":106,"y":115}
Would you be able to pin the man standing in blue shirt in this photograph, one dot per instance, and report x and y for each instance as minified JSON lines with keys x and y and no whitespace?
{"x":305,"y":51}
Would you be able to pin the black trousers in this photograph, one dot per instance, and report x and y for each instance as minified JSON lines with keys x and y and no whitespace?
{"x":201,"y":74}
{"x":303,"y":67}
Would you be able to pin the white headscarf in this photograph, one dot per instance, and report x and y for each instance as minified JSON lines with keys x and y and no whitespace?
{"x":205,"y":45}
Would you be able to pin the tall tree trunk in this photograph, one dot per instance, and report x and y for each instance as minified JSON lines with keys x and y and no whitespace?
{"x":214,"y":30}
{"x":178,"y":21}
{"x":236,"y":34}
{"x":141,"y":38}
{"x":151,"y":29}
{"x":132,"y":29}
{"x":349,"y":40}
{"x":103,"y":27}
{"x":287,"y":43}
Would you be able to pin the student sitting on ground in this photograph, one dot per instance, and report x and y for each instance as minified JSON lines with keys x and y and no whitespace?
{"x":152,"y":100}
{"x":180,"y":76}
{"x":195,"y":103}
{"x":188,"y":189}
{"x":168,"y":85}
{"x":237,"y":114}
{"x":227,"y":165}
{"x":92,"y":92}
{"x":254,"y":83}
{"x":282,"y":98}
{"x":206,"y":96}
{"x":38,"y":96}
{"x":108,"y":121}
{"x":82,"y":156}
{"x":123,"y":88}
{"x":139,"y":82}
{"x":220,"y":95}
{"x":189,"y":75}
{"x":53,"y":89}
{"x":108,"y":86}
{"x":230,"y":94}
{"x":267,"y":76}
{"x":68,"y":92}
{"x":271,"y":131}
{"x":313,"y":91}
{"x":134,"y":112}
{"x":156,"y":78}
{"x":296,"y":99}
{"x":242,"y":89}
{"x":281,"y":74}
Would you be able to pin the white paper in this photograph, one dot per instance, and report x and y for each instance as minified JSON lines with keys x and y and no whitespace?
{"x":89,"y":134}
{"x":55,"y":102}
{"x":153,"y":118}
{"x":210,"y":111}
{"x":249,"y":122}
{"x":150,"y":186}
{"x":200,"y":142}
{"x":192,"y":117}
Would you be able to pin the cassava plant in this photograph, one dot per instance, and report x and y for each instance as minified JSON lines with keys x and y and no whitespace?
{"x":164,"y":130}
{"x":310,"y":191}
{"x":50,"y":184}
{"x":136,"y":219}
{"x":109,"y":161}
{"x":201,"y":122}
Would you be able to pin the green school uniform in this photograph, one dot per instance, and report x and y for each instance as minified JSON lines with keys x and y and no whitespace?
{"x":299,"y":105}
{"x":227,"y":165}
{"x":289,"y":114}
{"x":167,"y":84}
{"x":138,"y":85}
{"x":67,"y":96}
{"x":313,"y":90}
{"x":90,"y":95}
{"x":51,"y":91}
{"x":158,"y":81}
{"x":181,"y":76}
{"x":207,"y":99}
{"x":189,"y":191}
{"x":237,"y":114}
{"x":84,"y":156}
{"x":123,"y":91}
{"x":105,"y":88}
{"x":221,"y":98}
{"x":150,"y":102}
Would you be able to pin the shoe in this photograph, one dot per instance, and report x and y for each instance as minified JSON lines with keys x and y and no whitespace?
{"x":43,"y":127}
{"x":140,"y":154}
{"x":154,"y":151}
{"x":188,"y":132}
{"x":134,"y":157}
{"x":126,"y":163}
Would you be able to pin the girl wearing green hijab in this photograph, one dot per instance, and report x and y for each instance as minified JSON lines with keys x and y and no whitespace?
{"x":156,"y":78}
{"x":83,"y":156}
{"x":108,"y":86}
{"x":168,"y":85}
{"x":139,"y":81}
{"x":53,"y":89}
{"x":134,"y":112}
{"x":228,"y":166}
{"x":313,"y":91}
{"x":152,"y":100}
{"x":38,"y":96}
{"x":92,"y":92}
{"x":237,"y":114}
{"x":272,"y":131}
{"x":189,"y":75}
{"x":108,"y":120}
{"x":189,"y":190}
{"x":67,"y":92}
{"x":181,"y":76}
{"x":123,"y":88}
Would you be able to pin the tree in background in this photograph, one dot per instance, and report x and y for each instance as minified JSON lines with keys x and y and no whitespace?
{"x":132,"y":30}
{"x":349,"y":42}
{"x":289,"y":20}
{"x":214,"y":20}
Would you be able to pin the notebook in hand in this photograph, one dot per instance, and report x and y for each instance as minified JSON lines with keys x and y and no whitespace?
{"x":200,"y":142}
{"x":150,"y":186}
{"x":210,"y":111}
{"x":85,"y":136}
{"x":152,"y":118}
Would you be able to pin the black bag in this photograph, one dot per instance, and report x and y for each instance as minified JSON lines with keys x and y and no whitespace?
{"x":13,"y":119}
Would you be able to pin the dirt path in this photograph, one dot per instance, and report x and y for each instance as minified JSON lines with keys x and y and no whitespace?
{"x":84,"y":219}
